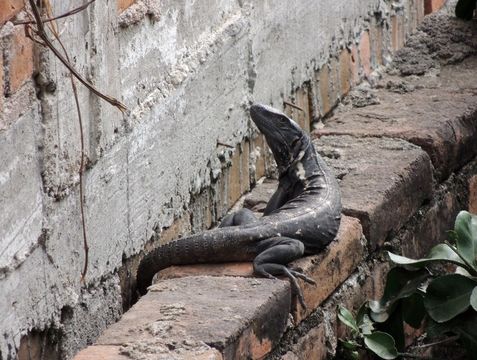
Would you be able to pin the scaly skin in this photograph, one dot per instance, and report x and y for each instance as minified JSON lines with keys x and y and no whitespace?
{"x":302,"y":216}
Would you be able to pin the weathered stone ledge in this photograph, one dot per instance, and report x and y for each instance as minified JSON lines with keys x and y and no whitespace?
{"x":406,"y":164}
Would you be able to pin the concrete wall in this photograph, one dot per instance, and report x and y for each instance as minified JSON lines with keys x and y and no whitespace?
{"x":187,"y":71}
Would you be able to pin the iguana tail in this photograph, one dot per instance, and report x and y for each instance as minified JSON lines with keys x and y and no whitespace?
{"x":218,"y":245}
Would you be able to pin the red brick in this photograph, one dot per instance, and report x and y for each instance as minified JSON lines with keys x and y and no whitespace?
{"x":345,"y":73}
{"x":473,"y":195}
{"x":302,"y":115}
{"x":311,"y":345}
{"x":418,"y":239}
{"x":178,"y":228}
{"x":245,"y":167}
{"x":442,"y":128}
{"x":124,"y":4}
{"x":323,"y":77}
{"x":259,"y":149}
{"x":401,"y":181}
{"x":202,"y":207}
{"x":371,"y":289}
{"x":21,"y":60}
{"x":365,"y":53}
{"x":303,"y":101}
{"x":221,"y":193}
{"x":234,"y":180}
{"x":9,"y":8}
{"x":376,"y":38}
{"x":335,"y":86}
{"x":432,"y":5}
{"x":394,"y":33}
{"x":420,"y":11}
{"x":250,"y":346}
{"x":244,"y":269}
{"x":354,"y":65}
{"x":243,"y":318}
{"x":417,"y":14}
{"x":330,"y":268}
{"x":398,"y":33}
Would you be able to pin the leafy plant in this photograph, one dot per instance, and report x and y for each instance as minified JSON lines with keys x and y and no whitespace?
{"x":414,"y":291}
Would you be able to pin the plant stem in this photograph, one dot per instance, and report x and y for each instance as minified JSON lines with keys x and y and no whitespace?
{"x":414,"y":356}
{"x":443,"y":341}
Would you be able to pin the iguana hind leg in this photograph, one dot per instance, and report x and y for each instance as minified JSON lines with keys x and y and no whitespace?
{"x":240,"y":217}
{"x":273,"y":255}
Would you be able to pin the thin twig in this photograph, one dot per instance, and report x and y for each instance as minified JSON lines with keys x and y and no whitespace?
{"x":292,"y":105}
{"x":40,"y":31}
{"x":443,"y":341}
{"x":219,"y":143}
{"x":414,"y":356}
{"x":71,"y":12}
{"x":28,"y":34}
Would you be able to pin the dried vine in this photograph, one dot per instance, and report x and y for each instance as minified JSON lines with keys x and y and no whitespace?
{"x":40,"y":32}
{"x":66,"y":14}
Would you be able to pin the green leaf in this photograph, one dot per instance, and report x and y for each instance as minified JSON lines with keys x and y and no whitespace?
{"x":381,"y":344}
{"x":473,"y":299}
{"x":347,"y":318}
{"x":400,"y":283}
{"x":466,"y":242}
{"x":413,"y":310}
{"x":441,"y":252}
{"x":448,"y":296}
{"x":464,"y":9}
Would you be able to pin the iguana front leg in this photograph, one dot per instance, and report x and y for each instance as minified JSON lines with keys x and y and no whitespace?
{"x":273,"y":255}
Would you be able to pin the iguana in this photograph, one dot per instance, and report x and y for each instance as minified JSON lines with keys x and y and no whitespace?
{"x":302,"y":216}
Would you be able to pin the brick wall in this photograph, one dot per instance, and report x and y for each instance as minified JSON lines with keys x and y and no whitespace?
{"x":10,"y":8}
{"x":432,"y":5}
{"x":16,"y":58}
{"x":156,"y":172}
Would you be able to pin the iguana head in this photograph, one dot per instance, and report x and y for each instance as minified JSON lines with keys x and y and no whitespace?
{"x":285,"y":138}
